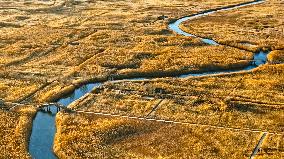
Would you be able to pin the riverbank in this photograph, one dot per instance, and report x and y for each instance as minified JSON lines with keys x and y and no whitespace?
{"x":15,"y":131}
{"x":74,"y":54}
{"x":209,"y":102}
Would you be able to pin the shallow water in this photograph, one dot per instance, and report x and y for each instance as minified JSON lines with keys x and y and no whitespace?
{"x":43,"y":130}
{"x":259,"y":57}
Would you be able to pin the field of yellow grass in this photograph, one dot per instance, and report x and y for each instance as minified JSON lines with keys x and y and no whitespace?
{"x":252,"y":100}
{"x":62,"y":41}
{"x":17,"y":89}
{"x":49,"y":48}
{"x":91,"y":136}
{"x":15,"y":131}
{"x":243,"y":100}
{"x":273,"y":147}
{"x":251,"y":28}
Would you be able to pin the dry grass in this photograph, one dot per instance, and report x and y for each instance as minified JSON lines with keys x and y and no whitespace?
{"x":55,"y":47}
{"x":66,"y":41}
{"x":276,"y":57}
{"x":250,"y":99}
{"x":114,"y":102}
{"x":14,"y":90}
{"x":212,"y":100}
{"x":82,"y":136}
{"x":273,"y":148}
{"x":252,"y":27}
{"x":15,"y":128}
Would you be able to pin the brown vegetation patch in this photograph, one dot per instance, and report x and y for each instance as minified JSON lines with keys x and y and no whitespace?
{"x":243,"y":100}
{"x":276,"y":57}
{"x":15,"y":128}
{"x":82,"y":136}
{"x":250,"y":28}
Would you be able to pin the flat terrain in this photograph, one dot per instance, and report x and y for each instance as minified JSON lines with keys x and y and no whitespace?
{"x":15,"y":130}
{"x":49,"y":48}
{"x":272,"y":147}
{"x":233,"y":100}
{"x":253,"y":27}
{"x":52,"y":44}
{"x":102,"y":137}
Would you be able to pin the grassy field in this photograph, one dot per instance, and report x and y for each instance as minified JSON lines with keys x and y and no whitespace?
{"x":273,"y":147}
{"x":249,"y":99}
{"x":251,"y":28}
{"x":49,"y":48}
{"x":15,"y":131}
{"x":252,"y":100}
{"x":83,"y":136}
{"x":65,"y":41}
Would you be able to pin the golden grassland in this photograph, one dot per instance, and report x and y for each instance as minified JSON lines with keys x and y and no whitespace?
{"x":251,"y":28}
{"x":15,"y":131}
{"x":47,"y":50}
{"x":17,"y":89}
{"x":276,"y":57}
{"x":91,"y":136}
{"x":249,"y":99}
{"x":273,"y":147}
{"x":69,"y":40}
{"x":113,"y":102}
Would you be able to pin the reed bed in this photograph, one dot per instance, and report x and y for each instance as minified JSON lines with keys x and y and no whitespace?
{"x":251,"y":28}
{"x":15,"y":131}
{"x":83,"y":136}
{"x":243,"y":100}
{"x":273,"y":147}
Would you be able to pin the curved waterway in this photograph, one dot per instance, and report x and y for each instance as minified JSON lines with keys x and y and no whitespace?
{"x":43,"y":129}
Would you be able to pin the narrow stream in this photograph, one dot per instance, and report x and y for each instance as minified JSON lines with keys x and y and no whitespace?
{"x":43,"y":130}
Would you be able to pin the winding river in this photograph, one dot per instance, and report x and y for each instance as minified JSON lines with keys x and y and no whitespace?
{"x":43,"y":129}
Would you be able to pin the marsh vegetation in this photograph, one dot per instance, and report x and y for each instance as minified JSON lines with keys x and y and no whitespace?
{"x":49,"y":48}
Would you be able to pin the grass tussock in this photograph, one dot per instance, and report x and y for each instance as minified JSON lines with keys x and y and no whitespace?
{"x":276,"y":57}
